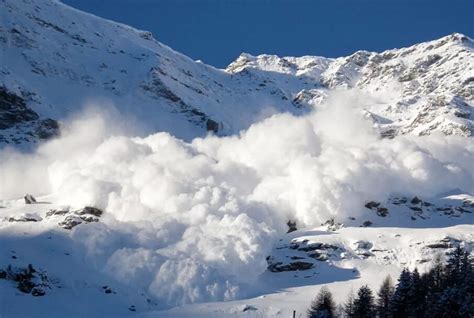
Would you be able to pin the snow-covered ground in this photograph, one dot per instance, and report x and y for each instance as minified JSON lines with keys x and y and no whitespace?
{"x":168,"y":191}
{"x":77,"y":278}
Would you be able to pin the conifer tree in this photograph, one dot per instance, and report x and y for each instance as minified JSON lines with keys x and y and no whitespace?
{"x":417,"y":295}
{"x":384,"y":297}
{"x":323,"y":305}
{"x":364,"y":306}
{"x":349,"y":305}
{"x":400,"y":297}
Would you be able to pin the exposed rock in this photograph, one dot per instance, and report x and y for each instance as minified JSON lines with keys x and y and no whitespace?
{"x":13,"y":109}
{"x":398,"y":201}
{"x":28,"y":280}
{"x":439,"y":245}
{"x":70,"y":221}
{"x":332,"y":225}
{"x":294,"y":246}
{"x":89,"y":218}
{"x":297,"y":257}
{"x":377,"y":206}
{"x":296,"y":266}
{"x":317,"y":246}
{"x":47,"y":128}
{"x":249,"y":307}
{"x":363,"y":247}
{"x":25,"y":217}
{"x":14,"y":113}
{"x":212,"y":125}
{"x":365,"y":253}
{"x":73,"y":218}
{"x":319,"y":256}
{"x":107,"y":289}
{"x":366,"y":245}
{"x":291,"y":226}
{"x":415,"y":200}
{"x":382,"y":211}
{"x":372,"y":205}
{"x":89,"y":210}
{"x":29,"y":199}
{"x":59,"y":211}
{"x":147,"y":35}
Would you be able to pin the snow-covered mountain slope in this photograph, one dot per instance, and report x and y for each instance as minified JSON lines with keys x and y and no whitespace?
{"x":56,"y":60}
{"x":173,"y":222}
{"x":420,"y":89}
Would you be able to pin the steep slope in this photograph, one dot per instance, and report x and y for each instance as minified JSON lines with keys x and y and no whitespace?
{"x":57,"y":60}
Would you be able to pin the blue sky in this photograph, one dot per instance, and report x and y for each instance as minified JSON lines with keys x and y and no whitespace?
{"x":218,"y":31}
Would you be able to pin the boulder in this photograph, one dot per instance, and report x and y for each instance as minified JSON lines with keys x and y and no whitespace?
{"x":89,"y":210}
{"x":291,"y":226}
{"x":70,"y":221}
{"x":29,"y":199}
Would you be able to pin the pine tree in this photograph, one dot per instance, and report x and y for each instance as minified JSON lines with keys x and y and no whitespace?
{"x":364,"y":306}
{"x":417,"y":295}
{"x":434,"y":281}
{"x":456,"y":297}
{"x":349,"y":305}
{"x":467,"y":285}
{"x":400,"y":297}
{"x":437,"y":274}
{"x":384,"y":297}
{"x":323,"y":305}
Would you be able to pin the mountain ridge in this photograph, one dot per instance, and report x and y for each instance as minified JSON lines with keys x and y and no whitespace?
{"x":86,"y":58}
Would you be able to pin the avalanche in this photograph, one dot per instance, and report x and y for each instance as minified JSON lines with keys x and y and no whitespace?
{"x":165,"y":186}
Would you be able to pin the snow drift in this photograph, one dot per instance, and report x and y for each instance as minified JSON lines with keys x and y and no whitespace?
{"x":192,"y":222}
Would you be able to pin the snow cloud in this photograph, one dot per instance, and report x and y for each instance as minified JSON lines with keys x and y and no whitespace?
{"x":195,"y":221}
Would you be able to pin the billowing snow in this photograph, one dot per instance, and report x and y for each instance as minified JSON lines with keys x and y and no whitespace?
{"x":139,"y":211}
{"x":194,"y":222}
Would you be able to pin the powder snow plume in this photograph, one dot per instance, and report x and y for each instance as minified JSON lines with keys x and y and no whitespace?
{"x":192,"y":222}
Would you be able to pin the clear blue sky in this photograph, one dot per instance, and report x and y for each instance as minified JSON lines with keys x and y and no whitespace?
{"x":218,"y":31}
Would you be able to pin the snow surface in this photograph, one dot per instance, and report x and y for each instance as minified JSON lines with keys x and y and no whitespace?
{"x":194,"y":223}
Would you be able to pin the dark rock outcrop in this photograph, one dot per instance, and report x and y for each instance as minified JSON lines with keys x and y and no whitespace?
{"x":212,"y":125}
{"x":28,"y":280}
{"x":295,"y":266}
{"x":29,"y":199}
{"x":72,"y":219}
{"x":13,"y":110}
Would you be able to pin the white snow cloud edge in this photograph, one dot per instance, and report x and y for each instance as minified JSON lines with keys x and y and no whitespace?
{"x":191,"y":222}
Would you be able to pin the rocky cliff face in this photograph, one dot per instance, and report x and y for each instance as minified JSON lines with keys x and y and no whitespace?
{"x":57,"y":60}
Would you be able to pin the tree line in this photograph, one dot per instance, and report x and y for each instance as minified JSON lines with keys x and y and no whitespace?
{"x":445,"y":291}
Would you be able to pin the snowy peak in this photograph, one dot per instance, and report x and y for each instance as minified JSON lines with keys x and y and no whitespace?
{"x":420,"y":89}
{"x":61,"y":60}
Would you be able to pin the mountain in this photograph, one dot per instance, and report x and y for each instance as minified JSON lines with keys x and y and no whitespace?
{"x":226,"y":193}
{"x":58,"y":60}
